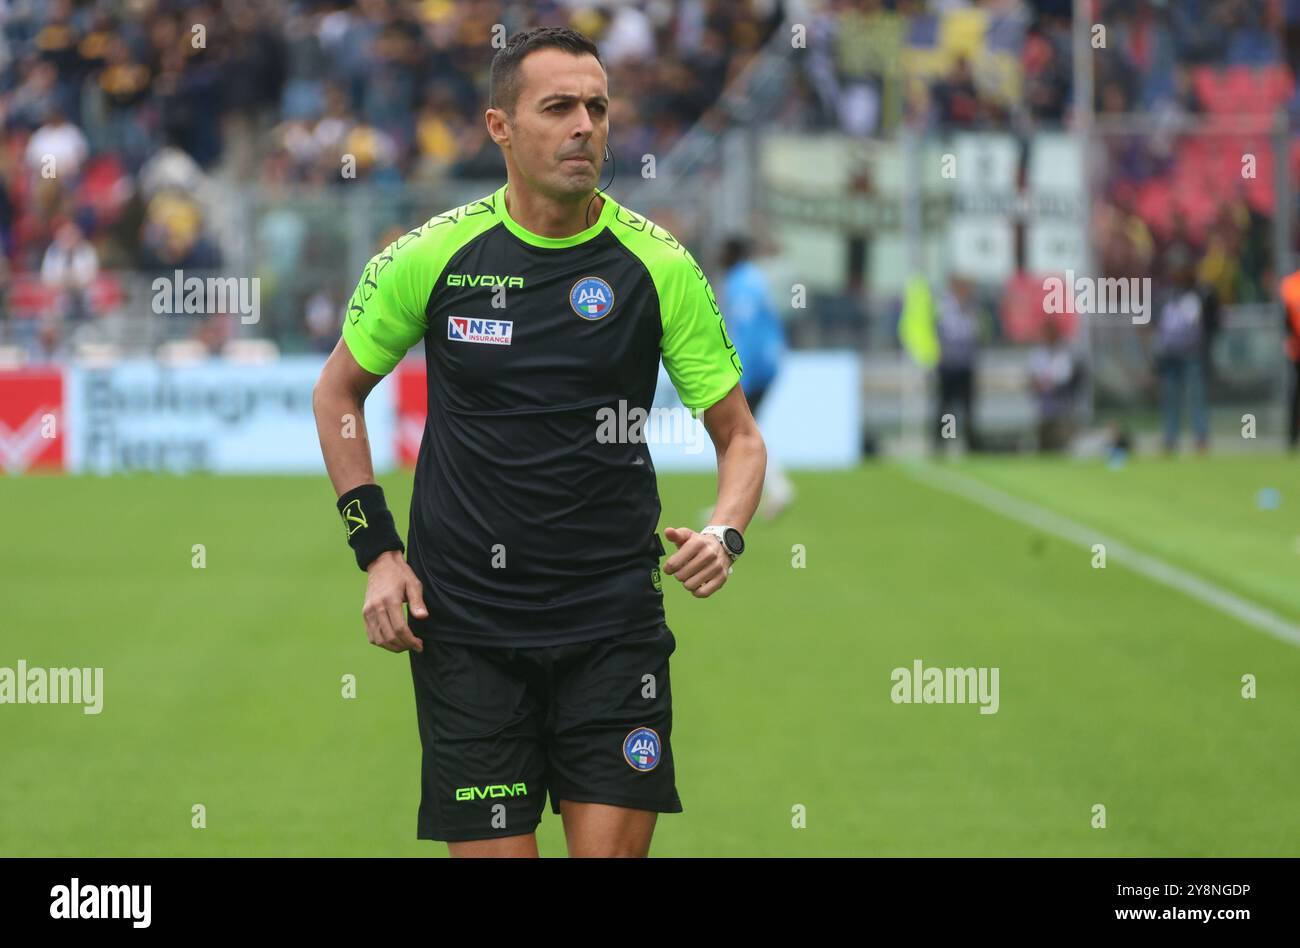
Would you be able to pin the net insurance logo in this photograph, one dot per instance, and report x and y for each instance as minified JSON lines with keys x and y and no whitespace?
{"x":641,"y":749}
{"x":495,"y":332}
{"x":591,"y":298}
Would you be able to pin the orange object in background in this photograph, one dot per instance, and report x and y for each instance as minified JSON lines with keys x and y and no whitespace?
{"x":1289,"y":290}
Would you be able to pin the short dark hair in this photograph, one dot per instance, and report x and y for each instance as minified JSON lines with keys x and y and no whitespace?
{"x":503,"y":78}
{"x":735,"y":249}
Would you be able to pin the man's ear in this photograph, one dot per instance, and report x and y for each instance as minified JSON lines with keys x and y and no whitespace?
{"x":498,"y":126}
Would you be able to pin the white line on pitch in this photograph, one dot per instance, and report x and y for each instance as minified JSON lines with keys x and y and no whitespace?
{"x":1067,"y":529}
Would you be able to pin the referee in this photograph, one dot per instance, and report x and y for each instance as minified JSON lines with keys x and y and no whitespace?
{"x":534,"y":612}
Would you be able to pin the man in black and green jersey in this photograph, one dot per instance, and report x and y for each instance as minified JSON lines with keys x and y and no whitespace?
{"x":536,"y":630}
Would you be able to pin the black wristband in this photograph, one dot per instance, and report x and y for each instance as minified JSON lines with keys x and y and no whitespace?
{"x":369,"y":523}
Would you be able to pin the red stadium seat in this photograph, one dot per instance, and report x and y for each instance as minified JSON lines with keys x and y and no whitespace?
{"x":29,"y":298}
{"x":1155,"y":205}
{"x":1242,"y":90}
{"x":106,"y":294}
{"x":1022,"y":314}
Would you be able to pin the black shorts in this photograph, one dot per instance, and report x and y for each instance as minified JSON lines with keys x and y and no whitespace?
{"x":501,"y":727}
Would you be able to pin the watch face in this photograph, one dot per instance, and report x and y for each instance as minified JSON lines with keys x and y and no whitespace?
{"x":735,"y":543}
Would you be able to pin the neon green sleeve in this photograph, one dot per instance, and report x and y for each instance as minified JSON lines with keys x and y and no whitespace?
{"x":386,"y":313}
{"x":698,"y":354}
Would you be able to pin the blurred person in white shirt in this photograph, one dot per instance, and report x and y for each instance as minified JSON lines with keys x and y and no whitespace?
{"x":71,"y":265}
{"x":58,"y":148}
{"x":1056,"y":374}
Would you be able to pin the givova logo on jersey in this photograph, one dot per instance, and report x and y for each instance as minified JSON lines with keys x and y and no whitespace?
{"x":641,"y":749}
{"x":494,"y":332}
{"x":591,"y":298}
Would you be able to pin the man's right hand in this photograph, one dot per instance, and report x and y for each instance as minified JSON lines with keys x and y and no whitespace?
{"x":391,"y":583}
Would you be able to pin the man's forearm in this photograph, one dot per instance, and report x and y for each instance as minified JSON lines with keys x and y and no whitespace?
{"x":341,"y":427}
{"x":741,"y":466}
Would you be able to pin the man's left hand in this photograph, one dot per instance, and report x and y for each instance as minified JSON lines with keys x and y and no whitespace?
{"x":701,"y":562}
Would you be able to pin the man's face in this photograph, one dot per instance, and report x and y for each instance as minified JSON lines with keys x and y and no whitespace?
{"x":560,"y":123}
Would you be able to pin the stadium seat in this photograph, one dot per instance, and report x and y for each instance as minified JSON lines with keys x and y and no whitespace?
{"x":1242,"y":90}
{"x":1022,"y":312}
{"x":251,"y":351}
{"x":29,"y":298}
{"x":11,"y":357}
{"x":181,"y":352}
{"x":97,"y":354}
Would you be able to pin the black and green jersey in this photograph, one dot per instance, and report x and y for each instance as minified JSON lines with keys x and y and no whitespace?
{"x":529,"y":526}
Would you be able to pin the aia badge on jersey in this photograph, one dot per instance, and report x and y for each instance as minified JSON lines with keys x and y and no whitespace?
{"x":494,"y":332}
{"x":591,"y":298}
{"x":641,"y":749}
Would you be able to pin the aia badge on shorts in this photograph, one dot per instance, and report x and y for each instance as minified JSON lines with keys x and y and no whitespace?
{"x":641,"y":749}
{"x":591,"y":298}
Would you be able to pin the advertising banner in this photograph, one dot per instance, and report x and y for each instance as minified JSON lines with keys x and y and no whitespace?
{"x":234,"y":418}
{"x":810,"y":418}
{"x":214,"y":416}
{"x":32,"y":432}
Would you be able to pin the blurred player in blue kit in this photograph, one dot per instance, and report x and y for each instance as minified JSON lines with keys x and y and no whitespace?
{"x":754,"y":325}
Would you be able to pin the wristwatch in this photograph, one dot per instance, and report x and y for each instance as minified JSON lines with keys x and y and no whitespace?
{"x":732,"y":541}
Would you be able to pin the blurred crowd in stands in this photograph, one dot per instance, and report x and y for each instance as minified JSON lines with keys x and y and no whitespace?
{"x":1007,"y":65}
{"x":127,"y":123}
{"x":123,"y":121}
{"x":1187,"y":94}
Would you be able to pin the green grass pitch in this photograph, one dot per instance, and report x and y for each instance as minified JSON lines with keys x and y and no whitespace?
{"x":223,"y":684}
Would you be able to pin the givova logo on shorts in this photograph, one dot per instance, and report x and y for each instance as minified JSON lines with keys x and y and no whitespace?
{"x":641,"y":749}
{"x":493,"y":790}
